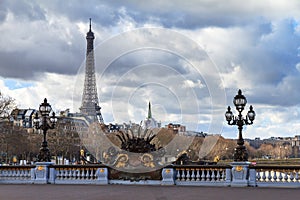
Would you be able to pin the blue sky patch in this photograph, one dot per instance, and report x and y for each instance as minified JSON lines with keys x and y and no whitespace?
{"x":16,"y":84}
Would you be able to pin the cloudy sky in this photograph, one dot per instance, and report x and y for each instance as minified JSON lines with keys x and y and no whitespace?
{"x":187,"y":58}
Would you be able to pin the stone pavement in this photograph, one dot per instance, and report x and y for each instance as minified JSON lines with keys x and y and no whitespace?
{"x":95,"y":192}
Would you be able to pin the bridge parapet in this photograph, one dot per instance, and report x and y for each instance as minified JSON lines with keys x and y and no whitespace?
{"x":17,"y":174}
{"x":193,"y":175}
{"x":275,"y":176}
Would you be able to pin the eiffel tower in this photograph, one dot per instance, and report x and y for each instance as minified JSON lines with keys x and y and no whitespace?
{"x":90,"y":103}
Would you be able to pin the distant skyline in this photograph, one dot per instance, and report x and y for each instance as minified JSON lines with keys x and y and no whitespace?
{"x":254,"y":45}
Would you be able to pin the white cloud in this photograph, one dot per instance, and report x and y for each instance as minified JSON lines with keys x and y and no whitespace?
{"x":193,"y":84}
{"x":298,"y":67}
{"x":58,"y":89}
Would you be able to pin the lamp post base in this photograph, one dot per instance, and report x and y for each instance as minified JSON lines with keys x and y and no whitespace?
{"x":240,"y":154}
{"x":44,"y":154}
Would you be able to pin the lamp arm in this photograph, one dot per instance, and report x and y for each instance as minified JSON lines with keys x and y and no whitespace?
{"x":247,"y":121}
{"x":232,"y":122}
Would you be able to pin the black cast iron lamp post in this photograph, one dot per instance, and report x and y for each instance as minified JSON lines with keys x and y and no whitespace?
{"x":45,"y":122}
{"x":240,"y":102}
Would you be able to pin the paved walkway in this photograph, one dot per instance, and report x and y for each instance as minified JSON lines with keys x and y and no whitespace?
{"x":120,"y":192}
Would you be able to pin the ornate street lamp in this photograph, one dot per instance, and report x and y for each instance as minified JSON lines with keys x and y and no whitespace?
{"x":240,"y":102}
{"x":44,"y":122}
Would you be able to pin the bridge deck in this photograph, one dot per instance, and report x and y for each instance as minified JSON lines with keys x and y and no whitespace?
{"x":47,"y":192}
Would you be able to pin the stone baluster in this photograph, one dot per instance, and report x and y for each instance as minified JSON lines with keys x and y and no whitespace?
{"x":82,"y":174}
{"x":14,"y":174}
{"x":25,"y":173}
{"x":17,"y":173}
{"x":63,"y":174}
{"x":95,"y":173}
{"x":202,"y":177}
{"x":269,"y":175}
{"x":224,"y":175}
{"x":11,"y":174}
{"x":58,"y":174}
{"x":292,"y":176}
{"x":280,"y":177}
{"x":22,"y":174}
{"x":258,"y":176}
{"x":71,"y":172}
{"x":6,"y":174}
{"x":92,"y":173}
{"x":207,"y":178}
{"x":208,"y":174}
{"x":286,"y":176}
{"x":193,"y":175}
{"x":264,"y":176}
{"x":178,"y":174}
{"x":188,"y":175}
{"x":275,"y":176}
{"x":213,"y":176}
{"x":29,"y":173}
{"x":297,"y":176}
{"x":66,"y":174}
{"x":218,"y":177}
{"x":197,"y":175}
{"x":87,"y":175}
{"x":182,"y":174}
{"x":74,"y":175}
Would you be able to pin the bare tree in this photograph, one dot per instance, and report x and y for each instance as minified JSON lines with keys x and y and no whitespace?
{"x":7,"y":104}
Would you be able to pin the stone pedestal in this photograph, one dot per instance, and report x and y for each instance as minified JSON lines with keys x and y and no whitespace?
{"x":42,"y":172}
{"x":240,"y":174}
{"x":168,"y":176}
{"x":102,"y":174}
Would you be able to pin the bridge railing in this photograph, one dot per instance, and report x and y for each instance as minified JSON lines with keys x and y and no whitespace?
{"x":16,"y":174}
{"x":215,"y":175}
{"x":276,"y":176}
{"x":235,"y":174}
{"x":78,"y":174}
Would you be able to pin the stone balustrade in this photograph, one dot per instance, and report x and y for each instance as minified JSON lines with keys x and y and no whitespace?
{"x":73,"y":174}
{"x":275,"y":176}
{"x":235,"y":175}
{"x":16,"y":174}
{"x":203,"y":175}
{"x":78,"y":174}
